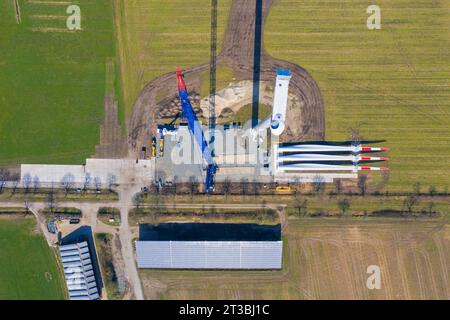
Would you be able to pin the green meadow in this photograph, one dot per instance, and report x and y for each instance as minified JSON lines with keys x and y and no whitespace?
{"x":28,"y":266}
{"x":390,"y":84}
{"x":157,"y":36}
{"x":52,"y":82}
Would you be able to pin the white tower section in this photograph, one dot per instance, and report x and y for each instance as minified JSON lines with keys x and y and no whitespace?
{"x":277,"y":122}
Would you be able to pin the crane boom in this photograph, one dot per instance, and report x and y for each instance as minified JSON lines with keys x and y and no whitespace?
{"x":197,"y":132}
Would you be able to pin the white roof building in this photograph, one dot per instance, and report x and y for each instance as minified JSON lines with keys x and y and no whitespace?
{"x":78,"y":271}
{"x":209,"y":254}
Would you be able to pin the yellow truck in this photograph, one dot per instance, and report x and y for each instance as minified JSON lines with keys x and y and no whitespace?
{"x":161,"y":147}
{"x":153,"y":146}
{"x":284,"y":190}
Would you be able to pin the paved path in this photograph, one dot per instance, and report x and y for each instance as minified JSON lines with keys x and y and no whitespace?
{"x":125,"y":198}
{"x":126,"y":193}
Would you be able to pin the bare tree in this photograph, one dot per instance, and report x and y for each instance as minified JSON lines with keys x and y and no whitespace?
{"x":244,"y":186}
{"x":2,"y":184}
{"x":318,"y":184}
{"x":175,"y":182}
{"x":410,"y":202}
{"x":432,"y":190}
{"x":97,"y":183}
{"x":226,"y":187}
{"x":362,"y":184}
{"x":4,"y":176}
{"x":300,"y":204}
{"x":416,"y":188}
{"x":15,"y":186}
{"x":344,"y":206}
{"x":36,"y":183}
{"x":193,"y":185}
{"x":68,"y":182}
{"x":27,"y":180}
{"x":255,"y":187}
{"x":111,"y":181}
{"x":51,"y":199}
{"x":138,"y":200}
{"x":296,"y":182}
{"x":337,"y":186}
{"x":87,"y":181}
{"x":263,"y":212}
{"x":430,"y":208}
{"x":161,"y":176}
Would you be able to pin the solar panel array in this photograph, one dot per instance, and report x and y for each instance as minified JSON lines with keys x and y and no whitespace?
{"x":209,"y":254}
{"x":78,"y":271}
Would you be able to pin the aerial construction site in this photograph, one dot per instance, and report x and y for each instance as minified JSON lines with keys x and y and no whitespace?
{"x":185,"y":136}
{"x":252,"y":150}
{"x":235,"y":149}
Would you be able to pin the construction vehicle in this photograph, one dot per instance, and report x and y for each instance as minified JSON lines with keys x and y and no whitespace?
{"x":284,"y":190}
{"x":153,"y":146}
{"x":74,"y":221}
{"x":161,"y":146}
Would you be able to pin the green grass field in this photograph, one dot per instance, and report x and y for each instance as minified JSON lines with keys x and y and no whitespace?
{"x":391,"y":83}
{"x":28,"y":266}
{"x":155,"y":37}
{"x":52,"y":82}
{"x":104,"y":246}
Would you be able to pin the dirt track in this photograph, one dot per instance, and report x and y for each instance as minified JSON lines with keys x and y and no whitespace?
{"x":111,"y":144}
{"x":306,"y":123}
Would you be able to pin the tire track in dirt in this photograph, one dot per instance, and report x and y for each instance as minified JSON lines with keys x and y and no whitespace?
{"x":442,"y":263}
{"x":402,"y":267}
{"x":237,"y":53}
{"x":17,"y":11}
{"x":418,"y":274}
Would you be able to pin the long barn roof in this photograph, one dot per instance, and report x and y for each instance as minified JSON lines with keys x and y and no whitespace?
{"x":78,"y":271}
{"x":209,"y":254}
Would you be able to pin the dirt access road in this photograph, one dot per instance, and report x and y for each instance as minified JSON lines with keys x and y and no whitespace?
{"x":89,"y":217}
{"x":126,"y":193}
{"x":243,"y":51}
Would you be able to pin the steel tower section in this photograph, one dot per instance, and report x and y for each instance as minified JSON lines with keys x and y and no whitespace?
{"x":212,"y":75}
{"x":280,"y":99}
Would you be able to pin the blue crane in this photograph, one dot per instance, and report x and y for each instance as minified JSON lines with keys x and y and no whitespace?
{"x":197,"y":132}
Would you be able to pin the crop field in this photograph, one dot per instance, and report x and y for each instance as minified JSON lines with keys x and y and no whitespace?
{"x":52,"y":81}
{"x":28,"y":266}
{"x":391,"y":84}
{"x":157,"y":36}
{"x":328,"y":259}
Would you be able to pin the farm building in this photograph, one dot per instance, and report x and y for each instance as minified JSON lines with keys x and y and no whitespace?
{"x":78,"y":271}
{"x":209,"y":254}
